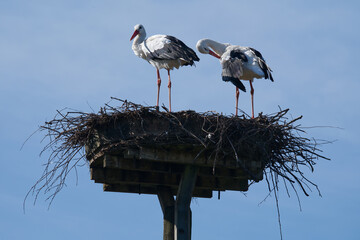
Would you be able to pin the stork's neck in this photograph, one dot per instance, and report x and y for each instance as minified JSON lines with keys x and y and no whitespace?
{"x":219,"y":48}
{"x":139,"y":39}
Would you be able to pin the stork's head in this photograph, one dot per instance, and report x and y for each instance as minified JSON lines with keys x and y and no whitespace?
{"x":138,"y":30}
{"x":203,"y":47}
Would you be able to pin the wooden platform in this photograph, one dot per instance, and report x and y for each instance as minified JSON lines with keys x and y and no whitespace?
{"x":142,"y":154}
{"x":144,"y":170}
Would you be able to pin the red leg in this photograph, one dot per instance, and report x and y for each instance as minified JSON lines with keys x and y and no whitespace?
{"x":158,"y":92}
{"x":169,"y":86}
{"x":252,"y":99}
{"x":237,"y":100}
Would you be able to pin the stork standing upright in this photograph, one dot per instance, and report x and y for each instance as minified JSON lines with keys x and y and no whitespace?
{"x":162,"y":51}
{"x":238,"y":63}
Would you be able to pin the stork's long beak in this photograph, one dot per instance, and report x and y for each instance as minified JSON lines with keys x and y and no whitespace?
{"x":136,"y":32}
{"x":213,"y":54}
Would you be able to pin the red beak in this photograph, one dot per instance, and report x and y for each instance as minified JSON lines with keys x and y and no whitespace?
{"x":136,"y":32}
{"x":213,"y":54}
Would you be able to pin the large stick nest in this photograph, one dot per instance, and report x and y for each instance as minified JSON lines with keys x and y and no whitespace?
{"x":287,"y":153}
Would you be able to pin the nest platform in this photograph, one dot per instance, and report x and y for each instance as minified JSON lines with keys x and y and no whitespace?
{"x":140,"y":152}
{"x":137,"y":149}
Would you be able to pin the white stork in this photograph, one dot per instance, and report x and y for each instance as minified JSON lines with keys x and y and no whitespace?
{"x":238,"y":63}
{"x":162,"y":51}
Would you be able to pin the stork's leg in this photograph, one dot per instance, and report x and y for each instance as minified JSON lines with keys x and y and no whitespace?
{"x":158,"y":92}
{"x":169,"y":86}
{"x":252,"y":99}
{"x":237,"y":100}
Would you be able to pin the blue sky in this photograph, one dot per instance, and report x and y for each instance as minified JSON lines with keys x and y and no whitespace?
{"x":56,"y":54}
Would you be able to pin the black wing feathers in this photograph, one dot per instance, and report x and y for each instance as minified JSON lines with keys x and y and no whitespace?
{"x":257,"y":53}
{"x":234,"y":81}
{"x":232,"y":68}
{"x":238,"y":54}
{"x":264,"y":67}
{"x":176,"y":49}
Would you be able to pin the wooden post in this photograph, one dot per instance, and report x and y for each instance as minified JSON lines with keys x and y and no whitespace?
{"x":167,"y":203}
{"x":182,"y":204}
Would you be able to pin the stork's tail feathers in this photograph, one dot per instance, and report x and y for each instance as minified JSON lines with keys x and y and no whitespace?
{"x":234,"y":81}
